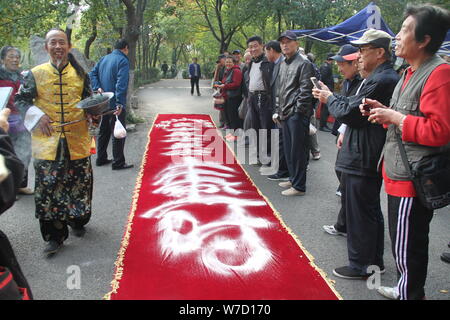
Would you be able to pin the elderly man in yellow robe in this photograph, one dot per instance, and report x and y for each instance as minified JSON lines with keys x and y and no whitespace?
{"x":47,"y":99}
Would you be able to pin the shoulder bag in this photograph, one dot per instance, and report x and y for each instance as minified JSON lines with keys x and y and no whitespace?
{"x":430,"y":176}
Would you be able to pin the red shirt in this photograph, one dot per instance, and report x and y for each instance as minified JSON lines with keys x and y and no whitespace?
{"x":431,"y":130}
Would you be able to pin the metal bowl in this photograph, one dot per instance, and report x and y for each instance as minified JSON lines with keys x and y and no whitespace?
{"x":96,"y":104}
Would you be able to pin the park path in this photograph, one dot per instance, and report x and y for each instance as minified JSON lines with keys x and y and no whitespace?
{"x":95,"y":254}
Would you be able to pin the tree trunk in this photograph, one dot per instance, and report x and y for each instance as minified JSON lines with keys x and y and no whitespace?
{"x":308,"y":45}
{"x":90,"y":40}
{"x":69,"y":34}
{"x":155,"y":54}
{"x":135,"y":14}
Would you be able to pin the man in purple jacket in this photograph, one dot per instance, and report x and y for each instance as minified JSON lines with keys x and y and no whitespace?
{"x":111,"y":74}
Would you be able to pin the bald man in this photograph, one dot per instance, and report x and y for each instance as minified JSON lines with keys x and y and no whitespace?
{"x":47,"y":99}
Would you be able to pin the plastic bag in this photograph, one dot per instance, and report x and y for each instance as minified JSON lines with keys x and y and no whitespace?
{"x":119,"y":130}
{"x":312,"y":129}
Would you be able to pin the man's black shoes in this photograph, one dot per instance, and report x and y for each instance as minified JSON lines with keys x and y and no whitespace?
{"x":102,"y":163}
{"x":350,"y":273}
{"x":278,"y":177}
{"x":79,"y":232}
{"x":52,"y":247}
{"x":124,"y":166}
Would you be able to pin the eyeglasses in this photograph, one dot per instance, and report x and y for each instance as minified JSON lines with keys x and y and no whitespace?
{"x":364,"y":49}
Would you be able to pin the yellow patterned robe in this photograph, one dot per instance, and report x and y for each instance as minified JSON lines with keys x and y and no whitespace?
{"x":56,"y":94}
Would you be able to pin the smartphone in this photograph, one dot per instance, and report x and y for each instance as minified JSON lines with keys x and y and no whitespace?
{"x":316,"y":83}
{"x":366,"y":106}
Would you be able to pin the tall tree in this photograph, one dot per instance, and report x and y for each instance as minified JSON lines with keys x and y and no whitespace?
{"x":225,"y":17}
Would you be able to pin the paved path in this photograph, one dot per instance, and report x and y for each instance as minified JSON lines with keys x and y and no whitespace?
{"x":96,"y":253}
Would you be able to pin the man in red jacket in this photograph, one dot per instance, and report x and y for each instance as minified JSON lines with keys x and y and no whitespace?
{"x":420,"y":115}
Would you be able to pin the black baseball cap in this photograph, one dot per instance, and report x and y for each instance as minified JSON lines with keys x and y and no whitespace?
{"x":236,"y":51}
{"x":288,"y":34}
{"x":345,"y":50}
{"x":330,"y":56}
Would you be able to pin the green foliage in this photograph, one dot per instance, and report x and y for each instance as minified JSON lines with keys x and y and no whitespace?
{"x":146,"y":77}
{"x":177,"y":30}
{"x":22,"y":18}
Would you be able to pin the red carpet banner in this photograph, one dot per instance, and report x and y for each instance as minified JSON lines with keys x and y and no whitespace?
{"x":200,"y":230}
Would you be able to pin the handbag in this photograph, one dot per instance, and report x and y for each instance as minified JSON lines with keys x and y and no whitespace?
{"x":243,"y":108}
{"x":430,"y":176}
{"x":219,"y":100}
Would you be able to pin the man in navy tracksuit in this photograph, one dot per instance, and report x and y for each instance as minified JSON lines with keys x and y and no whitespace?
{"x":111,"y":74}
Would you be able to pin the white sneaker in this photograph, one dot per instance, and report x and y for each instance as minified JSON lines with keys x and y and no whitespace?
{"x":316,"y":155}
{"x":286,"y":184}
{"x":267,"y":171}
{"x":332,"y":230}
{"x":292,"y":192}
{"x":338,"y":193}
{"x":389,"y":292}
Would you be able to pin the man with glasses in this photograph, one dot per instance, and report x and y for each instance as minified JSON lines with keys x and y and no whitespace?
{"x":359,"y":154}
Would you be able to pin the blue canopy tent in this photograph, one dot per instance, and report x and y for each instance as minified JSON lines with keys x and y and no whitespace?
{"x":349,"y":30}
{"x":354,"y":27}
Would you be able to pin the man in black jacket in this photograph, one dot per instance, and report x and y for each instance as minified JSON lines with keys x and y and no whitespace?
{"x":260,"y":105}
{"x":347,"y":61}
{"x":294,"y":109}
{"x":358,"y":157}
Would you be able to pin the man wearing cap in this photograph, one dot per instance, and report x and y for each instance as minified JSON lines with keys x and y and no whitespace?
{"x":418,"y":116}
{"x":347,"y":62}
{"x":293,"y":111}
{"x":326,"y":76}
{"x":359,"y":154}
{"x":259,"y":75}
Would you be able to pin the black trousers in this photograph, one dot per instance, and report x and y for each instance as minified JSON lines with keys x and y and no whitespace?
{"x":232,"y":112}
{"x":365,"y":223}
{"x":107,"y":133}
{"x":58,"y":230}
{"x":282,"y":164}
{"x":296,"y":148}
{"x":409,"y":226}
{"x":260,"y":109}
{"x":324,"y":114}
{"x":195,"y":82}
{"x":341,"y":223}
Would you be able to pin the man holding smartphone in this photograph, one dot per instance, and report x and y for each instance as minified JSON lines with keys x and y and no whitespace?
{"x":359,"y":154}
